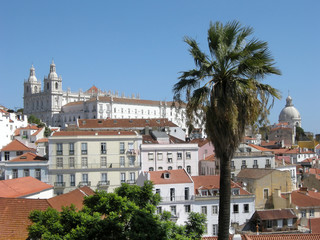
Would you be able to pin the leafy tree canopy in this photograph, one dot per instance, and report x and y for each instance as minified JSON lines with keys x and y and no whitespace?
{"x":128,"y":213}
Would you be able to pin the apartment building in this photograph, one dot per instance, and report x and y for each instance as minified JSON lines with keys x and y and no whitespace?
{"x":98,"y":159}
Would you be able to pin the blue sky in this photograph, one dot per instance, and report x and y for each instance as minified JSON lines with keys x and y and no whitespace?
{"x":137,"y":46}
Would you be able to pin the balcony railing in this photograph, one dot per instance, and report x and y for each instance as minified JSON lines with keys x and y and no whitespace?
{"x":131,"y":181}
{"x":82,"y":184}
{"x":131,"y":152}
{"x":78,"y":165}
{"x":268,"y":166}
{"x":243,"y":166}
{"x":177,"y":198}
{"x":255,"y":166}
{"x":59,"y":184}
{"x":103,"y":183}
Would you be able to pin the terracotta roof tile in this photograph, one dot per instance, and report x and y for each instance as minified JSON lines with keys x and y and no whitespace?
{"x":14,"y":213}
{"x":29,"y":127}
{"x":20,"y":187}
{"x":93,"y":133}
{"x":200,"y":141}
{"x":302,"y":236}
{"x":275,"y":214}
{"x":37,"y":132}
{"x":260,"y":148}
{"x":28,"y":157}
{"x":16,"y":145}
{"x":74,"y":197}
{"x":210,"y":158}
{"x":305,"y":199}
{"x":41,"y":140}
{"x":315,"y":225}
{"x":176,"y":176}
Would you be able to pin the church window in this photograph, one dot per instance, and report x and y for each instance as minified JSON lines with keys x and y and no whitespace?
{"x":47,"y":85}
{"x":57,"y":85}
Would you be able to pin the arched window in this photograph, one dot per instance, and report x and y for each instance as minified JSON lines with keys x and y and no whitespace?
{"x":35,"y":89}
{"x":47,"y":85}
{"x":150,"y":169}
{"x":57,"y":85}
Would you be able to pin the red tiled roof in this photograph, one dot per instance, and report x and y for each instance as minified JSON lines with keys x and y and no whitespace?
{"x":16,"y":145}
{"x":14,"y":213}
{"x":305,"y":199}
{"x":210,"y":158}
{"x":92,"y":133}
{"x":29,"y":127}
{"x":20,"y":187}
{"x":28,"y":157}
{"x":176,"y":176}
{"x":92,"y":89}
{"x":276,"y":214}
{"x":37,"y":132}
{"x":200,"y":141}
{"x":315,"y":225}
{"x":124,"y":123}
{"x":260,"y":148}
{"x":301,"y":236}
{"x":74,"y":197}
{"x":41,"y":140}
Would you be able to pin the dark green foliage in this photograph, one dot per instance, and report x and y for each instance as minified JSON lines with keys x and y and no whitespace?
{"x":129,"y":213}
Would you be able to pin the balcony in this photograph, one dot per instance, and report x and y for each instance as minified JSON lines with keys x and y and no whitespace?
{"x":82,"y":184}
{"x":103,"y":184}
{"x":131,"y":152}
{"x":243,"y":166}
{"x":255,"y":166}
{"x":268,"y":165}
{"x":59,"y":184}
{"x":59,"y":152}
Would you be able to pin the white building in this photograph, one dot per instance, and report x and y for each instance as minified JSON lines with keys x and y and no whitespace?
{"x":9,"y":123}
{"x":56,"y":107}
{"x":99,"y":159}
{"x":251,"y":156}
{"x":181,"y":194}
{"x":160,"y":152}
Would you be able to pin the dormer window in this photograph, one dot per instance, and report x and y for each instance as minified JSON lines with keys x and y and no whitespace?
{"x":166,"y":175}
{"x":235,"y":191}
{"x":204,"y":192}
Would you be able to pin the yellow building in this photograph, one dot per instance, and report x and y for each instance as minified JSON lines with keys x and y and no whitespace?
{"x":263,"y":183}
{"x":99,"y":159}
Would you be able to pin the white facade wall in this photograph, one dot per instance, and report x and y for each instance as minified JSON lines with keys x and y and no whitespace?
{"x":46,"y":194}
{"x":9,"y":122}
{"x":187,"y":151}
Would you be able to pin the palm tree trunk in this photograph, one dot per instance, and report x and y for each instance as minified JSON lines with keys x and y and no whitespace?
{"x":224,"y":200}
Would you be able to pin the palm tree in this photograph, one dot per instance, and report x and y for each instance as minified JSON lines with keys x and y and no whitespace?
{"x":225,"y":93}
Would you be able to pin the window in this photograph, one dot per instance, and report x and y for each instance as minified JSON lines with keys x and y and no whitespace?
{"x":121,"y":161}
{"x":84,"y":162}
{"x":311,"y":213}
{"x":85,"y":178}
{"x":159,"y":210}
{"x":103,"y":162}
{"x":151,"y":169}
{"x":172,"y":194}
{"x":18,"y":153}
{"x":187,"y":208}
{"x":14,"y":173}
{"x":150,"y":156}
{"x":103,"y":148}
{"x":122,"y":150}
{"x":232,"y":164}
{"x":215,"y":209}
{"x":169,"y":157}
{"x":235,"y":191}
{"x":269,"y":223}
{"x":160,"y":168}
{"x":71,"y":162}
{"x":204,"y":210}
{"x":303,"y":213}
{"x":245,"y":208}
{"x":235,"y":208}
{"x":6,"y":155}
{"x":72,"y":180}
{"x":179,"y":167}
{"x":290,"y":222}
{"x":279,"y":223}
{"x":38,"y":174}
{"x":186,"y":193}
{"x":59,"y":179}
{"x":158,"y":191}
{"x":265,"y":193}
{"x":59,"y":162}
{"x":104,"y":177}
{"x":244,"y":163}
{"x":179,"y":155}
{"x":189,"y":169}
{"x":188,"y":155}
{"x":159,"y":156}
{"x":132,"y":177}
{"x":84,"y":148}
{"x":215,"y":229}
{"x":71,"y":148}
{"x":59,"y":148}
{"x":123,"y":177}
{"x":170,"y":168}
{"x":173,"y":210}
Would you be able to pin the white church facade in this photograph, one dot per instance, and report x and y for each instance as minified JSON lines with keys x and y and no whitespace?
{"x":60,"y":108}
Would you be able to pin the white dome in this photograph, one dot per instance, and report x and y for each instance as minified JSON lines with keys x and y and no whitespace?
{"x":290,"y":114}
{"x":52,"y":74}
{"x":32,"y":75}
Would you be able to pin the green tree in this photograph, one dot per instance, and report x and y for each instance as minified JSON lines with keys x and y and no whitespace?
{"x":128,"y":213}
{"x":225,"y":92}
